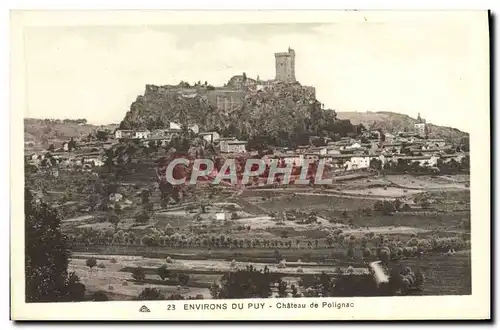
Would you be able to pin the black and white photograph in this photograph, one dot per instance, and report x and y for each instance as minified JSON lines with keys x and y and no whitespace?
{"x":253,"y":165}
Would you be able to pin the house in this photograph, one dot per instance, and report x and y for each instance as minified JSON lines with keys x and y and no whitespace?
{"x":233,"y":146}
{"x":332,"y":151}
{"x":123,"y":133}
{"x":210,"y":136}
{"x":339,"y":161}
{"x":290,"y":158}
{"x":302,"y":149}
{"x":389,"y":138}
{"x":360,"y":161}
{"x":141,"y":134}
{"x":355,"y":145}
{"x":439,"y":143}
{"x":391,"y":148}
{"x":422,"y":160}
{"x":157,"y":140}
{"x":457,"y":157}
{"x":317,"y":150}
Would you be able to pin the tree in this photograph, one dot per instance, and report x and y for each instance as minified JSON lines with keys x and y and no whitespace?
{"x":385,"y":255}
{"x":102,"y":135}
{"x":46,"y":253}
{"x":142,"y":217}
{"x":282,"y":286}
{"x":183,"y":278}
{"x":75,"y":291}
{"x":51,"y":148}
{"x":114,"y":219}
{"x":71,"y":144}
{"x":151,"y":294}
{"x":99,"y":296}
{"x":138,"y":274}
{"x":91,"y":263}
{"x":367,"y":253}
{"x":247,"y":283}
{"x":163,"y":272}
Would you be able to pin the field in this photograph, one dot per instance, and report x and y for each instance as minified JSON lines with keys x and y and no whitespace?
{"x":296,"y":222}
{"x":445,"y":275}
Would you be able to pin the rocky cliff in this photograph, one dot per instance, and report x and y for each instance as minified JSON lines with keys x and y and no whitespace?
{"x":282,"y":114}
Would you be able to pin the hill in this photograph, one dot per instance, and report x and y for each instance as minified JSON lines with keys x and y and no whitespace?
{"x":280,"y":115}
{"x":392,"y":122}
{"x":42,"y":132}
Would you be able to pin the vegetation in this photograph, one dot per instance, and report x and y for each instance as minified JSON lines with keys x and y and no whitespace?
{"x":151,"y":294}
{"x":46,"y":256}
{"x":284,"y":117}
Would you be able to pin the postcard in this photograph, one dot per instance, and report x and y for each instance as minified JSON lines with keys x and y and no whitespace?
{"x":244,"y":165}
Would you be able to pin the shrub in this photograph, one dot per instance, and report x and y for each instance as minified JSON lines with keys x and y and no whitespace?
{"x":151,"y":294}
{"x":124,"y":283}
{"x":99,"y":296}
{"x":138,"y":274}
{"x":91,"y":263}
{"x":183,"y":278}
{"x":113,"y":261}
{"x":110,"y":287}
{"x":163,"y":272}
{"x":101,"y":265}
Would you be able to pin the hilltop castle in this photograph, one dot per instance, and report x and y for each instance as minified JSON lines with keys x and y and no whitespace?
{"x":235,"y":92}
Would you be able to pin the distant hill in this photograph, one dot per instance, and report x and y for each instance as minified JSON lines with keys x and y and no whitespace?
{"x":391,"y":122}
{"x":45,"y":131}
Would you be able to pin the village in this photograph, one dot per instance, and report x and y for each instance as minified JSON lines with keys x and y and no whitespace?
{"x":399,"y":199}
{"x":372,"y":150}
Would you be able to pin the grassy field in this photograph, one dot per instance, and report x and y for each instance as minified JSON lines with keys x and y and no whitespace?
{"x":448,"y":212}
{"x":444,"y":275}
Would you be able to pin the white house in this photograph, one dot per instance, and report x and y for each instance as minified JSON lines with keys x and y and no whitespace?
{"x":233,"y":146}
{"x":422,"y":160}
{"x":318,"y":150}
{"x":210,"y":136}
{"x":122,"y":133}
{"x":361,"y":161}
{"x":355,"y":145}
{"x":332,"y":151}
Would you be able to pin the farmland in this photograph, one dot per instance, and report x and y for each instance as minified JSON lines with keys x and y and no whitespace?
{"x":311,"y":230}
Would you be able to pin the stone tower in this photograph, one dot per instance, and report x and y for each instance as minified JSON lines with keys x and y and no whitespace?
{"x":285,"y":66}
{"x":421,"y":127}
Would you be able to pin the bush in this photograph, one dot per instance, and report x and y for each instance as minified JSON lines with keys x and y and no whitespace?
{"x":183,"y":278}
{"x":113,"y":261}
{"x":99,"y":296}
{"x":91,"y":262}
{"x":163,"y":272}
{"x":142,"y":217}
{"x":138,"y":274}
{"x":101,"y":265}
{"x":151,"y":294}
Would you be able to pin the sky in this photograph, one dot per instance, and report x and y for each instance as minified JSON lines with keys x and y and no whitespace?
{"x":410,"y":67}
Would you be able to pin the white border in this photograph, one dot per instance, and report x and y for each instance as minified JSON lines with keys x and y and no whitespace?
{"x":366,"y":308}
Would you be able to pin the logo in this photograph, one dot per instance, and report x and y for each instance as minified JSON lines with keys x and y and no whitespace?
{"x":144,"y":309}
